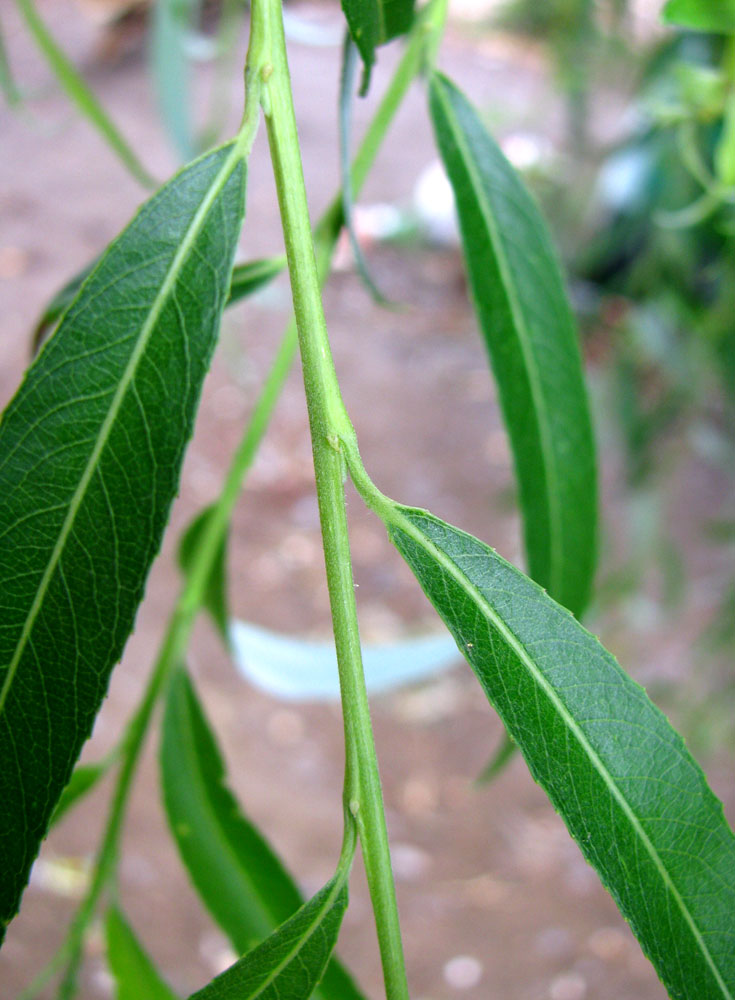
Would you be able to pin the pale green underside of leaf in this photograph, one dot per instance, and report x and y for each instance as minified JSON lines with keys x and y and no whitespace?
{"x":702,"y":15}
{"x":289,"y":964}
{"x":527,"y":324}
{"x":136,"y":977}
{"x":238,"y":876}
{"x":90,"y":455}
{"x":373,"y":23}
{"x":630,"y":793}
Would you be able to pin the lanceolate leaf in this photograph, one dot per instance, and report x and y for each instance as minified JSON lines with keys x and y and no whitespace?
{"x":702,"y":15}
{"x":83,"y":780}
{"x":91,"y":451}
{"x":249,"y":277}
{"x":633,"y":798}
{"x":528,"y":327}
{"x":80,"y":94}
{"x":136,"y":977}
{"x":289,"y":964}
{"x":246,"y":279}
{"x":238,"y":876}
{"x":374,"y":22}
{"x":172,"y":24}
{"x":215,"y":596}
{"x":57,"y":306}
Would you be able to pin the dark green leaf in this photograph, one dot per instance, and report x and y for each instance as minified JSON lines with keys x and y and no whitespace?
{"x":172,"y":25}
{"x":80,"y":93}
{"x":246,"y":279}
{"x":57,"y":306}
{"x":215,"y":595}
{"x":136,"y":977}
{"x":238,"y":876}
{"x":632,"y":796}
{"x":529,"y":330}
{"x":499,"y":761}
{"x":90,"y":454}
{"x":373,"y":23}
{"x":83,"y":780}
{"x":289,"y":964}
{"x":702,"y":15}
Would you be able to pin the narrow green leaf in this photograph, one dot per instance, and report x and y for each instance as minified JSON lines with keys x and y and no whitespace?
{"x":215,"y":596}
{"x":172,"y":24}
{"x":631,"y":795}
{"x":57,"y":306}
{"x":528,"y":327}
{"x":289,"y":964}
{"x":136,"y":977}
{"x":373,"y":23}
{"x":83,"y":780}
{"x":346,"y":86}
{"x":80,"y":93}
{"x":701,"y":15}
{"x":246,"y":279}
{"x":239,"y":878}
{"x":503,"y":755}
{"x":249,"y":277}
{"x":90,"y":454}
{"x":8,"y":85}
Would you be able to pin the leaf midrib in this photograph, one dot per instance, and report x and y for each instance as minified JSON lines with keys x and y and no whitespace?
{"x":556,"y":557}
{"x":399,"y":520}
{"x":146,"y":332}
{"x":301,"y":942}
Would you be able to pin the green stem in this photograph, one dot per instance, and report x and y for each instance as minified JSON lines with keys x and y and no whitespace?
{"x":329,"y":423}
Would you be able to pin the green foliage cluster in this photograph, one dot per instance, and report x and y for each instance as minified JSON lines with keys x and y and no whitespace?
{"x":90,"y":455}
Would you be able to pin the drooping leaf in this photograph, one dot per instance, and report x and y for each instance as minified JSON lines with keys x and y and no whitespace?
{"x":172,"y":25}
{"x":57,"y":306}
{"x":90,"y":454}
{"x":622,"y":779}
{"x":289,"y":964}
{"x":372,"y":23}
{"x":249,"y":277}
{"x":528,"y":327}
{"x":503,"y":755}
{"x":135,"y":975}
{"x":8,"y":86}
{"x":346,"y":87}
{"x":246,"y":279}
{"x":303,"y":669}
{"x":238,"y":876}
{"x":215,"y":594}
{"x":80,"y":93}
{"x":83,"y":780}
{"x":701,"y":15}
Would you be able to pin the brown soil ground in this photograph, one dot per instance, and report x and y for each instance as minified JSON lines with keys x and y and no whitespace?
{"x":488,"y":875}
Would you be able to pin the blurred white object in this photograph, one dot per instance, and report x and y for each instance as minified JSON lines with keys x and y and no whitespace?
{"x":433,"y":203}
{"x":301,"y":669}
